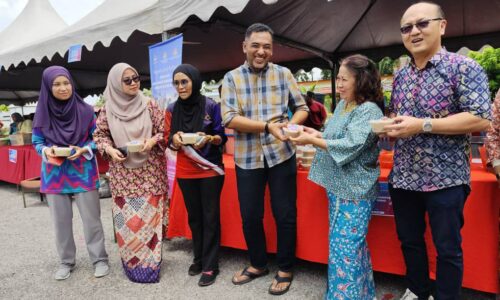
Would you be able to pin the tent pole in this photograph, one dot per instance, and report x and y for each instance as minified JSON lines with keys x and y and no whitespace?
{"x":167,"y":34}
{"x":334,"y":69}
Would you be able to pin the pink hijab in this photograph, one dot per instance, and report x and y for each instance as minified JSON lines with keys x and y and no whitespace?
{"x":128,"y":116}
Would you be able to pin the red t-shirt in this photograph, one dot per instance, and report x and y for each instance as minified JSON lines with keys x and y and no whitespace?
{"x":317,"y":115}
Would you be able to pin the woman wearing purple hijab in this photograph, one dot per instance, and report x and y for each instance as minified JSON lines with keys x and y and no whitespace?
{"x":62,"y":119}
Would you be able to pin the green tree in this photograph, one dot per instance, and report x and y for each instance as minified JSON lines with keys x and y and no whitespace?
{"x":386,"y":66}
{"x":4,"y":108}
{"x":147,"y":92}
{"x":302,"y":76}
{"x":489,"y":59}
{"x":326,"y":74}
{"x":100,"y":102}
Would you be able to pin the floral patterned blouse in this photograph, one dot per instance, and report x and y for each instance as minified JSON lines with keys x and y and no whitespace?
{"x":151,"y":178}
{"x":348,"y":168}
{"x":493,"y":140}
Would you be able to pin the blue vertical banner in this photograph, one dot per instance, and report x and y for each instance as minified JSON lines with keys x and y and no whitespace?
{"x":164,"y":57}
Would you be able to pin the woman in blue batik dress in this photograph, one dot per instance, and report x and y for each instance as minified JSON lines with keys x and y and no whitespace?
{"x":346,"y":166}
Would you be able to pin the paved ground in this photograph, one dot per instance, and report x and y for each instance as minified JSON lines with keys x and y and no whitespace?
{"x":28,"y":260}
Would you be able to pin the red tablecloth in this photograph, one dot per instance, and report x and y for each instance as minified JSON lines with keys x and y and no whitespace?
{"x":28,"y":164}
{"x":480,"y":232}
{"x":12,"y":169}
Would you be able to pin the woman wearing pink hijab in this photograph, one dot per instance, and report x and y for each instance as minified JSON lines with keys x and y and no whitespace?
{"x":138,"y":180}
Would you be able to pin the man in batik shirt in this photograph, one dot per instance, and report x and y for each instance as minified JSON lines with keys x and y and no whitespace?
{"x":437,"y":100}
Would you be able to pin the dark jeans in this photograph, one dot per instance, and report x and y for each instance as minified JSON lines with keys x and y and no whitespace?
{"x":282,"y":180}
{"x":202,"y":199}
{"x":445,"y":209}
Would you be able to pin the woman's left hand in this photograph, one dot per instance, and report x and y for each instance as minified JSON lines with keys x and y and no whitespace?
{"x":148,"y":145}
{"x":79,"y":151}
{"x":304,"y":138}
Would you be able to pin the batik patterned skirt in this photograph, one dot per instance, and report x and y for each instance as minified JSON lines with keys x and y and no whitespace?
{"x":350,"y":273}
{"x":139,"y":226}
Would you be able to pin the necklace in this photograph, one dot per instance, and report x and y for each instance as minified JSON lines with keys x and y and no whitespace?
{"x":349,"y":106}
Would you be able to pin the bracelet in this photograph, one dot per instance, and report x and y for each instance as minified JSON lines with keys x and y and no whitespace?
{"x":266,"y":128}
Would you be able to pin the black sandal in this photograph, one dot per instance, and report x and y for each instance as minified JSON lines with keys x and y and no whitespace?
{"x":279,"y":280}
{"x":250,"y":276}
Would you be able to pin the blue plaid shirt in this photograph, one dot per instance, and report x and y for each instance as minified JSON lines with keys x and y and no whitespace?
{"x":261,"y":96}
{"x":448,"y":85}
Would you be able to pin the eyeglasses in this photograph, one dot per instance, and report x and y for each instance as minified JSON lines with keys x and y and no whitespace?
{"x":420,"y":25}
{"x":183,"y":82}
{"x":128,"y":81}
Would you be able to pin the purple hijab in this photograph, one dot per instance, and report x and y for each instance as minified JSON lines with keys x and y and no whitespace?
{"x":62,"y":123}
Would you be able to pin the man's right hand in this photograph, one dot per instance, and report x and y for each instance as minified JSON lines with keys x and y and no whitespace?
{"x":276,"y":130}
{"x":115,"y":154}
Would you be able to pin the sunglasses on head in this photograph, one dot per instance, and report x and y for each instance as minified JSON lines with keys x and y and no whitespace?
{"x":128,"y":81}
{"x":182,"y":82}
{"x":420,"y":25}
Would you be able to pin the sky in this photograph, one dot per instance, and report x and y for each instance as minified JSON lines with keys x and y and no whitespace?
{"x":69,"y":10}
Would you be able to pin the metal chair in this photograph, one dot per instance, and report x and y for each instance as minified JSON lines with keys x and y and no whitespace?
{"x":31,"y":185}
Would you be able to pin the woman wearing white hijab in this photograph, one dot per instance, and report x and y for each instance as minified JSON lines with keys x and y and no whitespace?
{"x":137,"y":180}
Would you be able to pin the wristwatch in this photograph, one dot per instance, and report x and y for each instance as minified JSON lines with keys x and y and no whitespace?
{"x":427,"y":126}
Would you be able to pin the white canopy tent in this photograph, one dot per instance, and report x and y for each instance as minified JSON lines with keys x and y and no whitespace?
{"x":35,"y":23}
{"x":26,"y":29}
{"x":309,"y":33}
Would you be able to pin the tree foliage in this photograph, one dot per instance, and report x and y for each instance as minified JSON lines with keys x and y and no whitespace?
{"x":386,"y":66}
{"x":489,"y":59}
{"x":326,"y":74}
{"x":302,"y":76}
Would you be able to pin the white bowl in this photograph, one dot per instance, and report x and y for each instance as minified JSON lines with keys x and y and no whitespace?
{"x":306,"y":160}
{"x":292,"y":130}
{"x":308,"y":152}
{"x":189,"y":138}
{"x":135,"y":146}
{"x":306,"y":166}
{"x":62,"y":151}
{"x":378,"y":125}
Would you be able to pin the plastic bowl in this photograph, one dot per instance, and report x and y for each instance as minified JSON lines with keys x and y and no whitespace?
{"x":378,"y":125}
{"x":134,"y":146}
{"x":62,"y":151}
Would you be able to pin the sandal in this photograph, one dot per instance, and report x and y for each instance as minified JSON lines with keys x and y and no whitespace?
{"x":279,"y":280}
{"x":250,"y":276}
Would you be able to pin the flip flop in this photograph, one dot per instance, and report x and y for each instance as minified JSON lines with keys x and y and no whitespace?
{"x":250,"y":276}
{"x":280,"y":279}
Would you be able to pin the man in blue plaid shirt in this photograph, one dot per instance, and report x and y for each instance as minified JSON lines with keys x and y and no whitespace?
{"x":255,"y":100}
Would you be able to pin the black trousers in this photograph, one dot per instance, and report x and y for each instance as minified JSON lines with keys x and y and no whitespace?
{"x":445,"y":209}
{"x":202,"y":199}
{"x":282,"y":180}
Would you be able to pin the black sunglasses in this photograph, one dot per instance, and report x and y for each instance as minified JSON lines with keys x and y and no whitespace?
{"x":128,"y":81}
{"x":182,"y":82}
{"x":420,"y":25}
